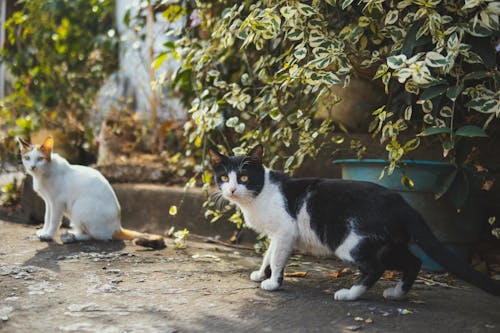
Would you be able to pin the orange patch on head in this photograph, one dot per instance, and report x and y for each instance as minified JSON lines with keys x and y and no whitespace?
{"x":46,"y":147}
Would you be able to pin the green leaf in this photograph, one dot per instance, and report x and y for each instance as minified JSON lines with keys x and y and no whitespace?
{"x":275,"y":114}
{"x":453,"y":92}
{"x":289,"y":162}
{"x":288,"y":12}
{"x":434,"y":59}
{"x":382,"y":69}
{"x":446,"y":112}
{"x":434,"y":91}
{"x":346,"y":3}
{"x":407,"y":182}
{"x":331,"y":79}
{"x":435,"y":130}
{"x":448,"y":145}
{"x":476,"y":75}
{"x":396,"y":62}
{"x":295,"y":34}
{"x":427,"y":106}
{"x":391,"y":17}
{"x":300,"y":53}
{"x":306,"y":10}
{"x":471,"y":131}
{"x":159,"y":60}
{"x":232,"y":122}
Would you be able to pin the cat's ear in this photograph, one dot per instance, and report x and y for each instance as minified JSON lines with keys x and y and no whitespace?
{"x":257,"y":152}
{"x":46,"y":147}
{"x":215,"y":157}
{"x":23,"y":145}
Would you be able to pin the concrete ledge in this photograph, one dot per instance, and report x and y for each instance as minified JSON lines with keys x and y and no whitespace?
{"x":145,"y":208}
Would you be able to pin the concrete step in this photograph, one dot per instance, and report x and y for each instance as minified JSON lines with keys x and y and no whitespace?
{"x":145,"y":207}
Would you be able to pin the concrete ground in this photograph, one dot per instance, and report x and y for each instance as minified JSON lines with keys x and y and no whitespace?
{"x":119,"y":287}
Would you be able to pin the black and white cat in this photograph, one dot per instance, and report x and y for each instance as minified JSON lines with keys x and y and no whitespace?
{"x":361,"y":223}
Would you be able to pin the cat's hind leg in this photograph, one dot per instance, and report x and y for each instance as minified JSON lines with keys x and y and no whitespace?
{"x":77,"y":233}
{"x":401,"y":259}
{"x":74,"y":236}
{"x":371,"y":271}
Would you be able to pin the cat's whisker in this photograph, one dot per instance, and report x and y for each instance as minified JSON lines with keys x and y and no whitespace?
{"x":218,"y":199}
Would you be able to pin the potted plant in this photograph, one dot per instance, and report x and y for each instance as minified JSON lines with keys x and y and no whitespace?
{"x":437,"y":63}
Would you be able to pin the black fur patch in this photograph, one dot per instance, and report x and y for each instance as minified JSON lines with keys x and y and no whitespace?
{"x":242,"y":165}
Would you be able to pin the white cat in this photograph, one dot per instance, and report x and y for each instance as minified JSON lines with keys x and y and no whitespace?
{"x":80,"y":193}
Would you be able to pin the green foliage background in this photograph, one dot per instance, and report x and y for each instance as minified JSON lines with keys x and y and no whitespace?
{"x":258,"y":71}
{"x":59,"y":53}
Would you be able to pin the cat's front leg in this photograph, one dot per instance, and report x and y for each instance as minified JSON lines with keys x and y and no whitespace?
{"x":48,"y":231}
{"x":264,"y":271}
{"x":46,"y":220}
{"x":279,"y":251}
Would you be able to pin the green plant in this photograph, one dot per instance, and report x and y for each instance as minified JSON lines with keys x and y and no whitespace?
{"x":59,"y":53}
{"x":437,"y":62}
{"x":10,"y":194}
{"x":257,"y":71}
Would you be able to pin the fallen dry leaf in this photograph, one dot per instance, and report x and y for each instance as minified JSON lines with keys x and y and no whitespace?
{"x":296,"y":274}
{"x":340,"y":272}
{"x":369,"y":321}
{"x":480,"y":168}
{"x":389,"y":275}
{"x":487,"y":185}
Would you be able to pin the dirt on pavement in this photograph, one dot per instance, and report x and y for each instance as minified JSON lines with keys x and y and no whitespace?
{"x":119,"y":287}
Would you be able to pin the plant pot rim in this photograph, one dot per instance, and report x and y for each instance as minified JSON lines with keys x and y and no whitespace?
{"x":385,"y":162}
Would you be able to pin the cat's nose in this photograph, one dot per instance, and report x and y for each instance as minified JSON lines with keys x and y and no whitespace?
{"x":232,"y":189}
{"x":33,"y":167}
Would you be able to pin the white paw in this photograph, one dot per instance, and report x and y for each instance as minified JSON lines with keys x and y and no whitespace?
{"x":270,"y":285}
{"x":342,"y":295}
{"x":43,"y":235}
{"x":350,"y":294}
{"x":257,"y":276}
{"x":68,"y":237}
{"x":395,"y":293}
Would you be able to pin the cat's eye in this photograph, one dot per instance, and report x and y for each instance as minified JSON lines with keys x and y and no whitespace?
{"x":224,"y":178}
{"x":244,"y":179}
{"x":39,"y":159}
{"x":27,"y":158}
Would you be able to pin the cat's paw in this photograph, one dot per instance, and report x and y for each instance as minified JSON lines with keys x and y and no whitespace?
{"x":342,"y":295}
{"x":43,"y":236}
{"x":68,"y":237}
{"x":270,"y":285}
{"x":349,"y":294}
{"x":394,"y":294}
{"x":257,"y":276}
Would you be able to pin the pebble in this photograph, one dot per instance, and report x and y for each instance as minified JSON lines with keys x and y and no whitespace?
{"x":11,"y":299}
{"x":353,"y":328}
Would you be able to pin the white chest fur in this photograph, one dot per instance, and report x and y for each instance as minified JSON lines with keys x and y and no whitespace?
{"x":267,"y":214}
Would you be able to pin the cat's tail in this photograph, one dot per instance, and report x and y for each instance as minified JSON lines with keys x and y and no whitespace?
{"x":422,"y":235}
{"x":153,"y":241}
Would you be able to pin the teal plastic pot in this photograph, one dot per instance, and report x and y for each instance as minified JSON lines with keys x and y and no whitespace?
{"x":441,"y":194}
